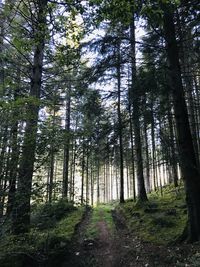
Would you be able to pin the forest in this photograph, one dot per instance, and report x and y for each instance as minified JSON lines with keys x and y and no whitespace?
{"x":100,"y":133}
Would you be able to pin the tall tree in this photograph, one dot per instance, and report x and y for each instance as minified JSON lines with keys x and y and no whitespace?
{"x":189,"y":164}
{"x":120,"y":126}
{"x":21,"y":214}
{"x":142,"y":196}
{"x":67,"y":143}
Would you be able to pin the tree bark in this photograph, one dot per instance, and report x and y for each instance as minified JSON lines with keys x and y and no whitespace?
{"x":98,"y":181}
{"x":173,"y":158}
{"x":147,"y":157}
{"x":14,"y":154}
{"x":67,"y":144}
{"x":132,"y":145}
{"x":121,"y":152}
{"x":83,"y":173}
{"x":87,"y":174}
{"x":21,"y":213}
{"x":186,"y":149}
{"x":142,"y":196}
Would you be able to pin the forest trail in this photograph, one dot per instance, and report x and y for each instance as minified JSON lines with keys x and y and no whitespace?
{"x":104,"y":240}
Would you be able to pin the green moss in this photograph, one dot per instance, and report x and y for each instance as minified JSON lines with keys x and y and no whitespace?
{"x":47,"y":215}
{"x":65,"y":228}
{"x":160,"y":220}
{"x":46,"y":243}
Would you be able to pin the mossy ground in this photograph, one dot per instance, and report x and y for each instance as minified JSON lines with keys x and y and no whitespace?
{"x":43,"y":243}
{"x":160,"y":220}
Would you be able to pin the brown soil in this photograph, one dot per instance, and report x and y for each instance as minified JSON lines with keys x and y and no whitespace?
{"x":123,"y":249}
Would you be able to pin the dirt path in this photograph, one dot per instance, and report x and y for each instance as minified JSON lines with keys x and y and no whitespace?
{"x":119,"y":247}
{"x":103,"y":252}
{"x":92,"y":252}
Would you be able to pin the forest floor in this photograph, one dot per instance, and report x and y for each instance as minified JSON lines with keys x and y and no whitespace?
{"x":103,"y":239}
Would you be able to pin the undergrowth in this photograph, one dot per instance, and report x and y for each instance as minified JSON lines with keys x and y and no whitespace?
{"x":45,"y":216}
{"x":53,"y":226}
{"x":160,"y":220}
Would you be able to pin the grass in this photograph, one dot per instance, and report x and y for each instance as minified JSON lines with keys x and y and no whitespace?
{"x":100,"y":213}
{"x":160,"y":220}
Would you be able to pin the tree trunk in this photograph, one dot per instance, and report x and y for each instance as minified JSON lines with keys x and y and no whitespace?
{"x":4,"y":180}
{"x":154,"y":171}
{"x":13,"y":165}
{"x":74,"y":155}
{"x":92,"y":184}
{"x":67,"y":144}
{"x":186,"y":149}
{"x":87,"y":175}
{"x":127,"y":179}
{"x":15,"y":150}
{"x":51,"y":173}
{"x":21,"y":214}
{"x":172,"y":146}
{"x":104,"y":182}
{"x":2,"y":21}
{"x":98,"y":181}
{"x":185,"y":55}
{"x":131,"y":140}
{"x":120,"y":132}
{"x":116,"y":182}
{"x":147,"y":157}
{"x":83,"y":174}
{"x":111,"y":182}
{"x":142,"y":196}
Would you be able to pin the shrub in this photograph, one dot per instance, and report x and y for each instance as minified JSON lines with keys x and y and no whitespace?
{"x":46,"y":216}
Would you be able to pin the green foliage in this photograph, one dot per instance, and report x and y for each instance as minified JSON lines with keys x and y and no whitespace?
{"x":162,"y":219}
{"x":115,"y":11}
{"x":42,"y":246}
{"x":47,"y":215}
{"x":57,"y":239}
{"x":154,"y":12}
